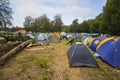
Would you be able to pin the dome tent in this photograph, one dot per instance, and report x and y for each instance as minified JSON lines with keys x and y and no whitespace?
{"x":54,"y":39}
{"x":80,"y":56}
{"x":93,"y":43}
{"x":41,"y":37}
{"x":86,"y":40}
{"x":109,"y":51}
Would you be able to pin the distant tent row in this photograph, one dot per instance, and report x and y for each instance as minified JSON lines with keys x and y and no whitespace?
{"x":42,"y":37}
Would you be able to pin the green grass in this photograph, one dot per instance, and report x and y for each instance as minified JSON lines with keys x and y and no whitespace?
{"x":44,"y":63}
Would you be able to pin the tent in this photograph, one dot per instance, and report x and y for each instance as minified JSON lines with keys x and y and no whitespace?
{"x":57,"y":35}
{"x":80,"y":56}
{"x":53,"y":39}
{"x":83,"y":38}
{"x":86,"y":40}
{"x":41,"y":37}
{"x":109,"y":51}
{"x":94,"y":43}
{"x":69,"y":36}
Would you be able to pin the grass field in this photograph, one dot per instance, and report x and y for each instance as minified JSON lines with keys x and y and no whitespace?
{"x":51,"y":63}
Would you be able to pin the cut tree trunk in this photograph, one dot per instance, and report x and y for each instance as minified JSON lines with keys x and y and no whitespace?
{"x":13,"y":51}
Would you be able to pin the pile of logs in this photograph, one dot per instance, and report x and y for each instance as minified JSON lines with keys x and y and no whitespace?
{"x":6,"y":56}
{"x":10,"y":45}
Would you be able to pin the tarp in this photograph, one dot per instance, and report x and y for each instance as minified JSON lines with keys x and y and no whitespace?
{"x":91,"y":34}
{"x":80,"y":56}
{"x":110,"y":52}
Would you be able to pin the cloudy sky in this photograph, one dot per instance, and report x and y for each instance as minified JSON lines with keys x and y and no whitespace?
{"x":69,"y":9}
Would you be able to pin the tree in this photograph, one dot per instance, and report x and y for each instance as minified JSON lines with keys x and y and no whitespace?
{"x":85,"y":26}
{"x":45,"y":23}
{"x":28,"y":23}
{"x":111,"y":17}
{"x":74,"y":26}
{"x":66,"y":28}
{"x":95,"y":26}
{"x":57,"y":23}
{"x":5,"y":14}
{"x":40,"y":24}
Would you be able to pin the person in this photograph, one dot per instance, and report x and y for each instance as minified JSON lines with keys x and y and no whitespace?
{"x":71,"y":41}
{"x":63,"y":36}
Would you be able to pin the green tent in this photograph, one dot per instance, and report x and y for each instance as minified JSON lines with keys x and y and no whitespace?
{"x":53,"y":39}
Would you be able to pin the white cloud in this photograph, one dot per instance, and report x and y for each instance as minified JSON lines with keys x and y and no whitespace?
{"x":36,"y":8}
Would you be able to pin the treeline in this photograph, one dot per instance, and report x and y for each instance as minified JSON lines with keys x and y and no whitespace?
{"x":107,"y":22}
{"x":43,"y":24}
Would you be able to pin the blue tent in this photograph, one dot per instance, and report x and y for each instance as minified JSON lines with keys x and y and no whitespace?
{"x":109,"y":51}
{"x":95,"y":43}
{"x":41,"y":37}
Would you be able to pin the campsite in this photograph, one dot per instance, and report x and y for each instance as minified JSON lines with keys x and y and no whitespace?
{"x":52,"y":63}
{"x":59,"y":39}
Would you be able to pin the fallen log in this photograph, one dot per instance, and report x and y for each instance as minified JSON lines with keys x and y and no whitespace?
{"x":14,"y":43}
{"x":5,"y":57}
{"x":8,"y":46}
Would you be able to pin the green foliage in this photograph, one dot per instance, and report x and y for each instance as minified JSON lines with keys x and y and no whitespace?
{"x":5,"y":13}
{"x":57,"y":23}
{"x":95,"y":26}
{"x":74,"y":27}
{"x":111,"y":17}
{"x":66,"y":28}
{"x":44,"y":77}
{"x":43,"y":24}
{"x":106,"y":22}
{"x":85,"y":26}
{"x":28,"y":23}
